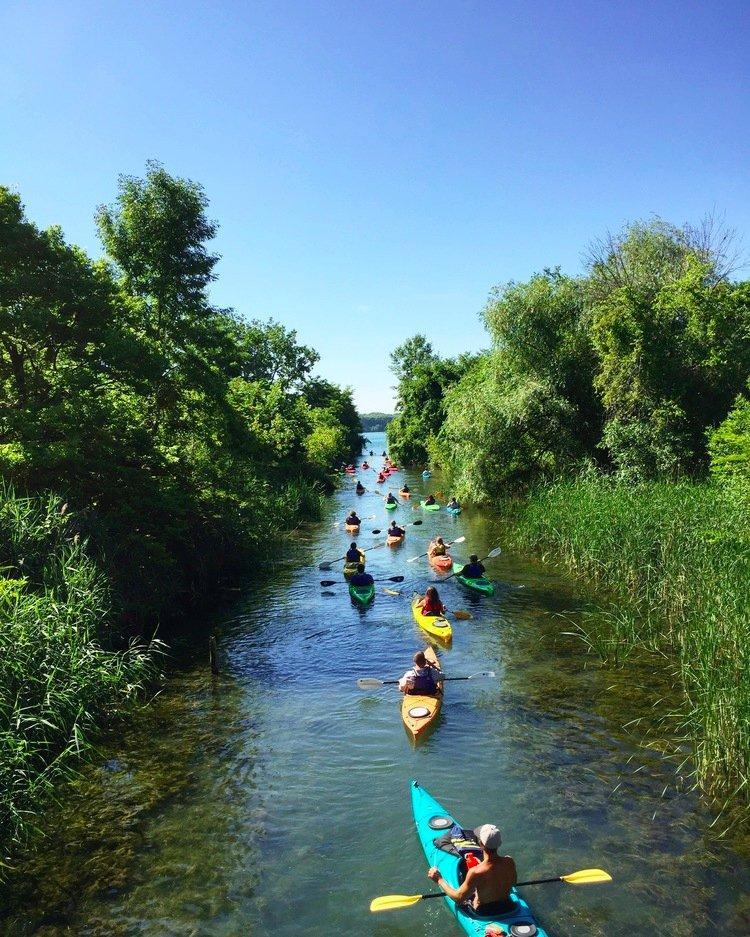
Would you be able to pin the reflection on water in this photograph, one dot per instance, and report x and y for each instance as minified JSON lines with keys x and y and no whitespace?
{"x":274,"y":799}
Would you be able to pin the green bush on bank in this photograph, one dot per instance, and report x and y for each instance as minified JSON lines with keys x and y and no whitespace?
{"x":61,"y":676}
{"x":677,"y":558}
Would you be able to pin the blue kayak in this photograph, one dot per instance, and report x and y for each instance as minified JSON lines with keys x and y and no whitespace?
{"x":426,"y":811}
{"x":426,"y":474}
{"x":453,"y":510}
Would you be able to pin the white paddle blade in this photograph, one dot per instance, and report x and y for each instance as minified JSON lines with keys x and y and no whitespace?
{"x":481,"y":673}
{"x":496,"y":552}
{"x":414,"y":559}
{"x":458,"y":540}
{"x":369,"y":683}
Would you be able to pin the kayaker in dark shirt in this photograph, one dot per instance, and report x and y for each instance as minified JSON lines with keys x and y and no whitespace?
{"x":361,"y":578}
{"x":389,"y":499}
{"x":353,"y":554}
{"x":405,"y":489}
{"x":360,"y":488}
{"x":395,"y":531}
{"x":422,"y":678}
{"x":486,"y":888}
{"x":430,"y":499}
{"x":353,"y":520}
{"x":385,"y":455}
{"x":453,"y":503}
{"x":473,"y":569}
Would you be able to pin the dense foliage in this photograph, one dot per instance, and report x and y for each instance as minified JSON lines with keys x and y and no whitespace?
{"x":184,"y":435}
{"x":180,"y":437}
{"x":605,"y":398}
{"x":422,"y":382}
{"x":627,"y":368}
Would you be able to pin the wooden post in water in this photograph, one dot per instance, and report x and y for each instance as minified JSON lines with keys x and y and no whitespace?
{"x":213,"y":655}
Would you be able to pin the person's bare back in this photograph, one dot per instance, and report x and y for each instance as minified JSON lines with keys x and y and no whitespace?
{"x":492,"y":879}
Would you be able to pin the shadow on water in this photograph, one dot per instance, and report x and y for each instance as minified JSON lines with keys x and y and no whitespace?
{"x":273,"y":799}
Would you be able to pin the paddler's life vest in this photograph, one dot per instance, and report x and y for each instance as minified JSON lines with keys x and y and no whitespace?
{"x":423,"y":680}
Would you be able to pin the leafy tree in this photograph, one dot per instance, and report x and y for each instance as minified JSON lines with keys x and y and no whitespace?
{"x":729,"y":444}
{"x":408,"y":356}
{"x":670,"y":365}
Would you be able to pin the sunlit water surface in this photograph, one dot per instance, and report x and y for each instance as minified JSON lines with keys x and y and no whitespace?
{"x":274,"y":799}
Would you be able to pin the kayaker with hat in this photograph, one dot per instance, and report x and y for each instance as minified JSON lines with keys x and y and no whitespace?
{"x":422,"y":678}
{"x":486,"y":888}
{"x":361,"y":578}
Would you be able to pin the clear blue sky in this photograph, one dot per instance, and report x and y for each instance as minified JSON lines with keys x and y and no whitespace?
{"x":377,"y":166}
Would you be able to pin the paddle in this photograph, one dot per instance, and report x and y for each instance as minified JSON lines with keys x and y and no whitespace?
{"x":584,"y":877}
{"x":422,"y":555}
{"x":372,"y":683}
{"x":336,"y":582}
{"x":491,"y":555}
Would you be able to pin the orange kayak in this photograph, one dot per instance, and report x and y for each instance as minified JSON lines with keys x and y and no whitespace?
{"x":418,"y":711}
{"x":352,"y":528}
{"x":393,"y":541}
{"x":442,"y":563}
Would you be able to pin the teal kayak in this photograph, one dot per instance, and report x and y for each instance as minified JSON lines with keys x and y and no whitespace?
{"x":453,"y":510}
{"x":432,"y":820}
{"x":480,"y":584}
{"x":426,"y":474}
{"x":430,"y":507}
{"x":391,"y":505}
{"x":363,"y":595}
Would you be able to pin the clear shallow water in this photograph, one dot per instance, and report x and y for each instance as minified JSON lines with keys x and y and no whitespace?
{"x":274,"y":799}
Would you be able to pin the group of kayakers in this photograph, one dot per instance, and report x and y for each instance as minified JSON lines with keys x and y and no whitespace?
{"x":487,"y":884}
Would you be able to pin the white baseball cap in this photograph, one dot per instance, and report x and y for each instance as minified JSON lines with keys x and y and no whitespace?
{"x":489,"y":836}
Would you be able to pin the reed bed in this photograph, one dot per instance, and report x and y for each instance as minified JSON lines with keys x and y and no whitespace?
{"x":62,"y":678}
{"x":676,"y":558}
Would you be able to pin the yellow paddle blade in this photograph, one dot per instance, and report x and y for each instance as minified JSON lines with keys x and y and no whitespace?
{"x":392,"y":902}
{"x":587,"y":877}
{"x":461,"y":615}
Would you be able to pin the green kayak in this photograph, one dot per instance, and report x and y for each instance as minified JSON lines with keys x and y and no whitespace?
{"x":391,"y":505}
{"x":477,"y":585}
{"x":430,"y":507}
{"x":432,"y":820}
{"x":363,"y":595}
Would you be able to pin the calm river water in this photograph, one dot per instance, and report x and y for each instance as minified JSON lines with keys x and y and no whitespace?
{"x":274,"y":799}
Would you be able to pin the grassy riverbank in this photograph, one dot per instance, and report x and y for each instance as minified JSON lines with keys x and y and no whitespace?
{"x":63,"y":676}
{"x":676,"y":557}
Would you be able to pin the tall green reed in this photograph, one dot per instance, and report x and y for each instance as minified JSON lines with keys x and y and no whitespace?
{"x":674,"y":559}
{"x":61,"y":680}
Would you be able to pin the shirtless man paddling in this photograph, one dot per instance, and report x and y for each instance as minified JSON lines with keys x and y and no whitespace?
{"x":487,"y":885}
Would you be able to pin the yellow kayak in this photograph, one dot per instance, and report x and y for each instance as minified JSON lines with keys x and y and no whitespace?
{"x":435,"y":625}
{"x":393,"y":541}
{"x":418,"y":712}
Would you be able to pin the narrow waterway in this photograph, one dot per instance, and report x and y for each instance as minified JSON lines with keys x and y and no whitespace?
{"x":274,"y":799}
